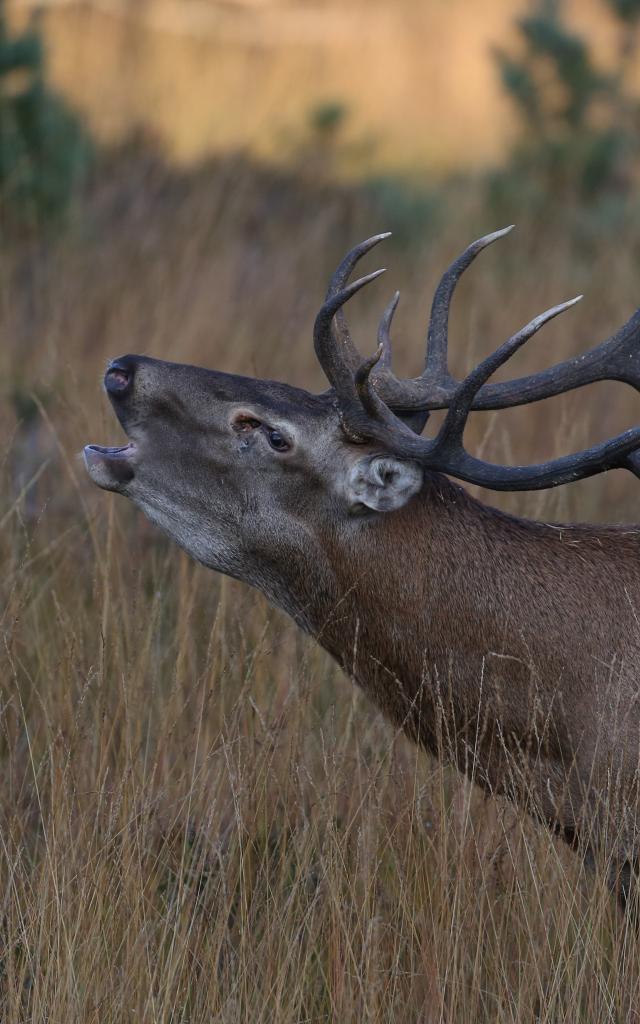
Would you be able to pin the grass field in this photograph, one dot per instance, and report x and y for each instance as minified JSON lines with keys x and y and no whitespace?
{"x":200,"y":818}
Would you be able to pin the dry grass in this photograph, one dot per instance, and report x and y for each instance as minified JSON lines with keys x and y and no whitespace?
{"x":199,"y":818}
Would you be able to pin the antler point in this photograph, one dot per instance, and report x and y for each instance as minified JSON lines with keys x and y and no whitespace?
{"x":569,"y":303}
{"x":483,"y":242}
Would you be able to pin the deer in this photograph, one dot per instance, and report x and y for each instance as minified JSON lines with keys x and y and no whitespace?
{"x":507,"y":647}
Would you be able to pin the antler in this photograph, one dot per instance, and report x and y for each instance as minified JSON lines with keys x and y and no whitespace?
{"x":617,"y":358}
{"x":367,"y":400}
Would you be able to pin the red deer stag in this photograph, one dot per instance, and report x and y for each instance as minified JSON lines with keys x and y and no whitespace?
{"x":510,"y":646}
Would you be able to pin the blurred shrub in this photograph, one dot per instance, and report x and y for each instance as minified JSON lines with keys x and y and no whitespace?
{"x":44,"y":149}
{"x":326,"y":119}
{"x":408,"y":210}
{"x":627,"y":10}
{"x":578,"y":124}
{"x":327,"y":158}
{"x":323,"y":151}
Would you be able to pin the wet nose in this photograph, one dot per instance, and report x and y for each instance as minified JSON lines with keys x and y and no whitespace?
{"x":118,"y":380}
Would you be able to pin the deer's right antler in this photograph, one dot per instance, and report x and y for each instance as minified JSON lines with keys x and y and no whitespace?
{"x":370,"y":397}
{"x":617,"y":358}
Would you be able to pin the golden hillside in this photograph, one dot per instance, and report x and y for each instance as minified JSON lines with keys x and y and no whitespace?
{"x":204,"y":76}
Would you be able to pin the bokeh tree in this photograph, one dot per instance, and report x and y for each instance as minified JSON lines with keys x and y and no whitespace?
{"x":579,"y":123}
{"x":45,"y":150}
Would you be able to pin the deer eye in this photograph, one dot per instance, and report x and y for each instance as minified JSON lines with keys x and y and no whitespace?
{"x":277,"y":441}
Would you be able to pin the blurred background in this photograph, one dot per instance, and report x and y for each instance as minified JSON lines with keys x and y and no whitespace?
{"x":199,"y":818}
{"x":163,"y":162}
{"x":409,"y":87}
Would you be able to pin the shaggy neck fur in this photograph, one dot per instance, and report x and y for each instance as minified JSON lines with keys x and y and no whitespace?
{"x":510,"y":646}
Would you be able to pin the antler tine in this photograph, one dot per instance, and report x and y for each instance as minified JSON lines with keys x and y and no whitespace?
{"x":384,"y":333}
{"x":435,"y":386}
{"x":462,"y":401}
{"x":616,"y":358}
{"x":445,"y":453}
{"x":345,"y":350}
{"x":414,"y":418}
{"x":621,"y":452}
{"x":368,"y":412}
{"x":448,"y":453}
{"x":330,"y":356}
{"x":343,"y":271}
{"x":436,"y":362}
{"x":366,"y":393}
{"x":375,"y":408}
{"x":369,"y":399}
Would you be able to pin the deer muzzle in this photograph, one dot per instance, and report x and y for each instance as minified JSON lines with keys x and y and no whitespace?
{"x":113,"y":467}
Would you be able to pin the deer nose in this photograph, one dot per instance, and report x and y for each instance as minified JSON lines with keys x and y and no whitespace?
{"x":118,"y":380}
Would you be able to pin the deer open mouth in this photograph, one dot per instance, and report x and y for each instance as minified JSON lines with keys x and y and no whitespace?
{"x":110,"y":467}
{"x":122,"y":452}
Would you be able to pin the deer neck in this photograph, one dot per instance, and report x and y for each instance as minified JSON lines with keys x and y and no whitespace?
{"x":402,"y":581}
{"x":387,"y":595}
{"x":451,"y":600}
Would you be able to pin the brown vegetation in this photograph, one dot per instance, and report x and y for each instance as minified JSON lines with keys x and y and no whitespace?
{"x":200,"y":819}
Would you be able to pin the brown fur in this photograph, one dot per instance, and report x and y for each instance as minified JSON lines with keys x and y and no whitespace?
{"x":509,"y":646}
{"x":493,"y":637}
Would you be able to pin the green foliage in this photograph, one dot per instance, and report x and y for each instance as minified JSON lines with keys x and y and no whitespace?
{"x":410,"y":211}
{"x":44,"y":149}
{"x":327,"y":118}
{"x":628,"y":10}
{"x":578,"y":124}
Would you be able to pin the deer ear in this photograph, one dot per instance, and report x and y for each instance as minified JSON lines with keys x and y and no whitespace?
{"x":382,"y":483}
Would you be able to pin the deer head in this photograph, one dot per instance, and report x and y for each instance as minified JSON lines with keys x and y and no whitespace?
{"x":239,"y":471}
{"x":236,"y":470}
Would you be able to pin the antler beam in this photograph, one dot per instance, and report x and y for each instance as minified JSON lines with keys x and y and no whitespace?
{"x":369,"y":397}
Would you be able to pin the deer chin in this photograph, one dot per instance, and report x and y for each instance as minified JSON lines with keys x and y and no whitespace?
{"x":110,"y":468}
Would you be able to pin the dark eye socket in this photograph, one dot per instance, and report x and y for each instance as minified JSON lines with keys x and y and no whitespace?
{"x":244,"y":423}
{"x":277,"y":441}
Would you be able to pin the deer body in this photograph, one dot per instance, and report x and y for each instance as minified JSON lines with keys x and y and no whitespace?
{"x":511,"y":647}
{"x":487,"y":637}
